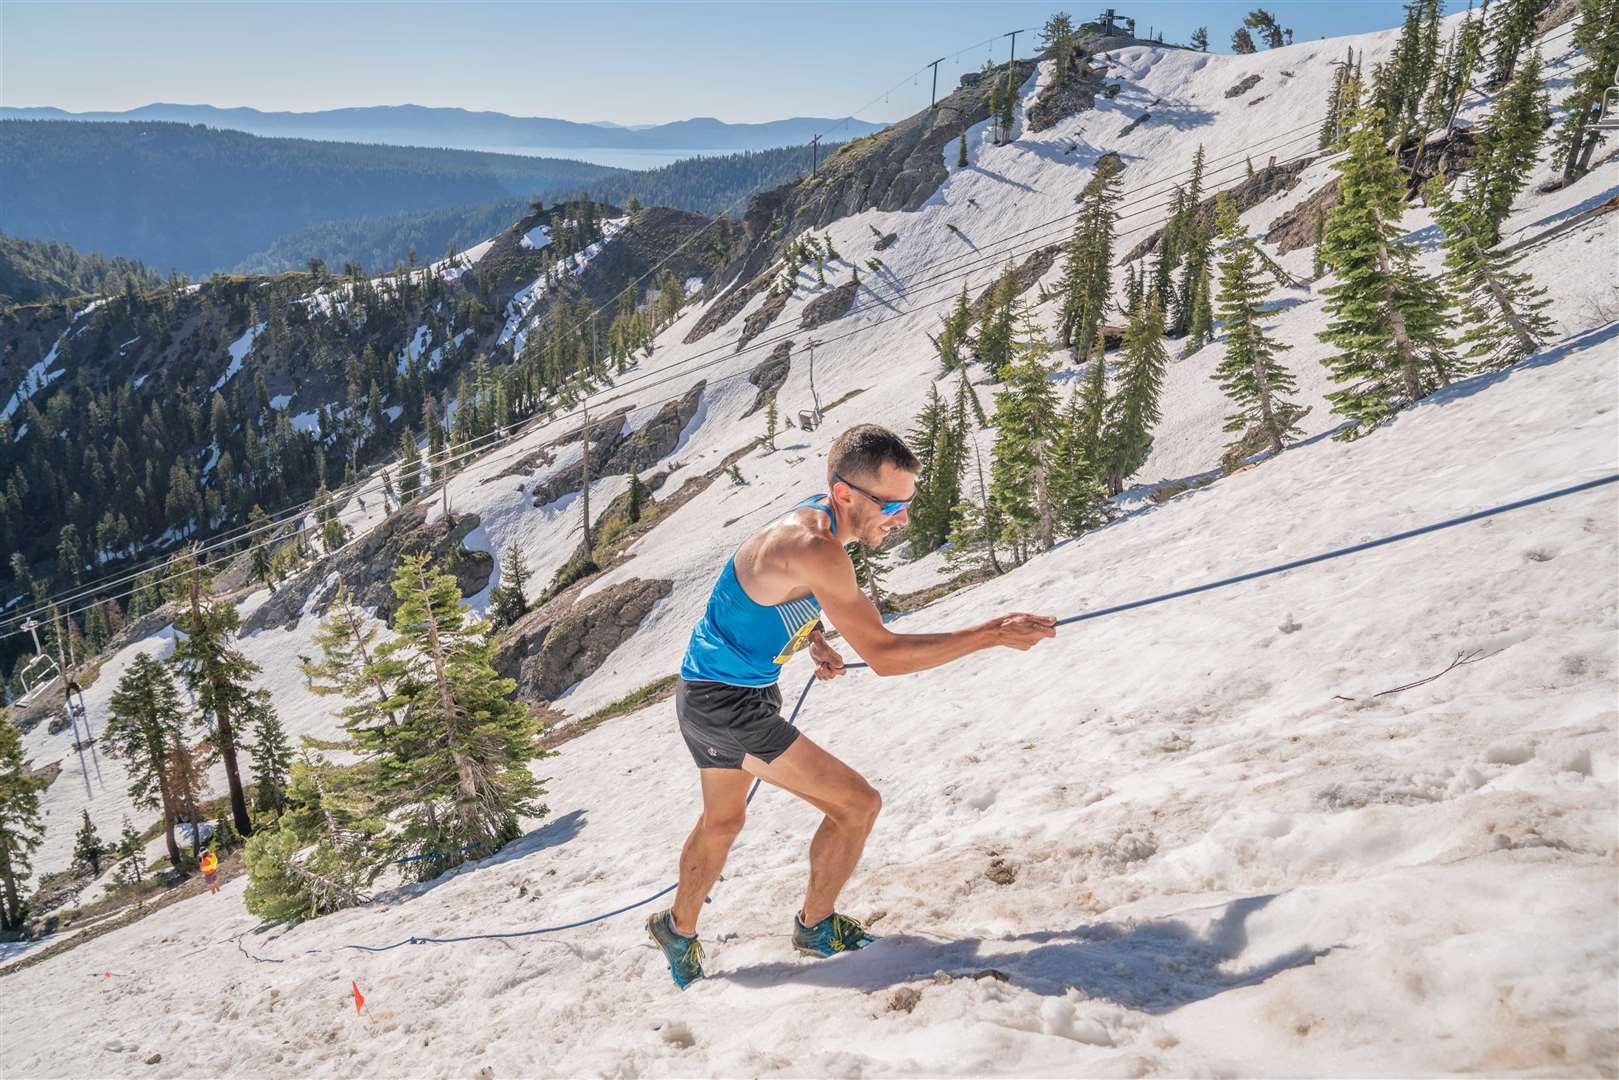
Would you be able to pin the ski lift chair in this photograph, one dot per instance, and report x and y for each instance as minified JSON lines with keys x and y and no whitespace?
{"x":1608,"y":119}
{"x":807,"y":420}
{"x":36,"y":676}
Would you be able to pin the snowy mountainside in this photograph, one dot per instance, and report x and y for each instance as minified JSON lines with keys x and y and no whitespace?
{"x":1232,"y":852}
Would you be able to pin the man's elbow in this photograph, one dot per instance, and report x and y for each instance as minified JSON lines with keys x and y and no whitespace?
{"x":884,"y":662}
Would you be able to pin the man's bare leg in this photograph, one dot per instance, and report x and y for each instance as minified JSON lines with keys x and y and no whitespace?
{"x":725,"y":801}
{"x":850,"y":804}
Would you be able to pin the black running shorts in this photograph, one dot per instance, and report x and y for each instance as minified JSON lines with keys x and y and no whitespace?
{"x":721,"y":723}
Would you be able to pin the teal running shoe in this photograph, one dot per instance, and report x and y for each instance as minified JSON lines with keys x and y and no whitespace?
{"x":685,"y":954}
{"x":833,"y":934}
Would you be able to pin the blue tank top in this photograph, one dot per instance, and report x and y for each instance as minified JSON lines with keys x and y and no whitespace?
{"x":745,"y":643}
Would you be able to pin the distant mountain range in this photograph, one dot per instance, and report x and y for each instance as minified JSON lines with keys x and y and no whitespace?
{"x":417,"y":125}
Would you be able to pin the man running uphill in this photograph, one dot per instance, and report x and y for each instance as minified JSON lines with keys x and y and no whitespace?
{"x":765,"y":607}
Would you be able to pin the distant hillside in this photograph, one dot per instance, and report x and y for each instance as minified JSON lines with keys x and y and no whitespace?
{"x":33,"y":270}
{"x":417,"y":125}
{"x":710,"y":185}
{"x":201,"y":200}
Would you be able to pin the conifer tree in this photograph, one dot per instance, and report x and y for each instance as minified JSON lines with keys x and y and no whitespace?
{"x":1242,"y":42}
{"x":1597,"y":36}
{"x":1133,"y":410}
{"x":771,"y":420}
{"x":320,"y":857}
{"x":1008,"y":104}
{"x":219,"y":676}
{"x":21,"y":830}
{"x":258,"y":526}
{"x":131,"y":860}
{"x":637,"y":494}
{"x":1387,"y":318}
{"x":272,"y":755}
{"x":1250,"y":374}
{"x":1021,"y":462}
{"x":89,"y":852}
{"x":1264,"y":23}
{"x":933,"y":502}
{"x":1505,"y":161}
{"x":1079,"y":500}
{"x":145,"y":722}
{"x":508,"y":601}
{"x":954,"y":338}
{"x":410,"y":466}
{"x":465,"y":782}
{"x":1500,"y":308}
{"x":1200,"y":39}
{"x":995,"y":328}
{"x":974,"y":529}
{"x":1057,"y":35}
{"x":1087,"y":281}
{"x":1093,"y":404}
{"x":1513,"y":25}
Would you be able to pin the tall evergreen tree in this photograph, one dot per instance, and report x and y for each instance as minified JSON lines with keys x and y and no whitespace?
{"x":1500,"y":308}
{"x":1513,"y":25}
{"x":1021,"y":463}
{"x":1087,"y":280}
{"x":1597,"y":36}
{"x":1387,"y":318}
{"x":131,"y":861}
{"x":89,"y":851}
{"x":21,"y":830}
{"x":508,"y":601}
{"x":218,"y":676}
{"x":1250,"y":374}
{"x":637,"y":494}
{"x":1200,"y":39}
{"x":937,"y":480}
{"x":1516,"y":125}
{"x":1133,"y":410}
{"x":410,"y":466}
{"x":465,"y":782}
{"x":145,"y":720}
{"x":272,"y":754}
{"x":1079,"y":499}
{"x":1242,"y":42}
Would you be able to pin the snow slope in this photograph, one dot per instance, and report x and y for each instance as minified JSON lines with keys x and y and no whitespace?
{"x":1232,"y":854}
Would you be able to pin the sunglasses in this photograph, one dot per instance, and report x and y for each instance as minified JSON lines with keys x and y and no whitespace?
{"x":888,"y":508}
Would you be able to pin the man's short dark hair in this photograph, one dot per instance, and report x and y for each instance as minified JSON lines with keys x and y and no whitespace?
{"x":863,"y":449}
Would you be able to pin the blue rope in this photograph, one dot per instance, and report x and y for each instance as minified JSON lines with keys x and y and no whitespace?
{"x":1159,"y":599}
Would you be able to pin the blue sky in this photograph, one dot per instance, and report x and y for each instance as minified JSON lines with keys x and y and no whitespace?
{"x":625,"y":62}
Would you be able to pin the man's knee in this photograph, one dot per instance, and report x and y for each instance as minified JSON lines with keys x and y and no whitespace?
{"x":862,"y":806}
{"x":724,"y":824}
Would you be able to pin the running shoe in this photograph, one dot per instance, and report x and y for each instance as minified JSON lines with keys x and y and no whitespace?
{"x":833,"y":934}
{"x":685,"y":954}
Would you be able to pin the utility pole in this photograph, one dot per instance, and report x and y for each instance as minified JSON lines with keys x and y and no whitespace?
{"x":1013,"y":54}
{"x":813,"y":395}
{"x":934,"y":96}
{"x":815,"y":154}
{"x":584,"y":485}
{"x":67,"y":704}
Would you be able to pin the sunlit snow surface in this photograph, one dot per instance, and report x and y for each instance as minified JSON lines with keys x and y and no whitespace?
{"x":1235,"y":854}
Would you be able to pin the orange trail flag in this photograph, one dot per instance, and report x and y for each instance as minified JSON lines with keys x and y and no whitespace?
{"x":359,"y":998}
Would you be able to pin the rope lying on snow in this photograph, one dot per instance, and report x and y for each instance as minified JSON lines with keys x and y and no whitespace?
{"x":1238,"y":579}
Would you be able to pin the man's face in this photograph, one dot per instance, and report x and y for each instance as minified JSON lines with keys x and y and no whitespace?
{"x":859,"y":515}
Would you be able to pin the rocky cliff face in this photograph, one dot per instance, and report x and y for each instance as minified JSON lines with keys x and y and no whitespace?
{"x":612,"y":452}
{"x":554,"y":646}
{"x":367,"y":567}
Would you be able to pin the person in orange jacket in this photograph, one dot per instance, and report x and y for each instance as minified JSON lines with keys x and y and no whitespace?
{"x":210,"y":870}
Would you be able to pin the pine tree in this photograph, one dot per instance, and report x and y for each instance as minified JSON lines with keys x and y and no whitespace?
{"x":1093,"y":404}
{"x":131,"y":861}
{"x":1021,"y":462}
{"x":1079,"y":500}
{"x":320,"y":857}
{"x":1057,"y":35}
{"x":1500,"y":308}
{"x":637,"y":494}
{"x":1513,"y":25}
{"x":508,"y":601}
{"x":1388,"y":319}
{"x":1334,"y":124}
{"x":1597,"y":36}
{"x":224,"y":838}
{"x":1200,"y":39}
{"x":1506,"y":159}
{"x":145,"y":721}
{"x":333,"y":533}
{"x":1264,"y":23}
{"x":931,"y":506}
{"x":21,"y":830}
{"x":954,"y":340}
{"x":218,"y":676}
{"x":465,"y":781}
{"x":1133,"y":410}
{"x":272,"y":755}
{"x":870,"y":564}
{"x":410,"y":467}
{"x":1242,"y":42}
{"x":771,"y":420}
{"x":995,"y":327}
{"x":1250,"y":374}
{"x":88,"y":849}
{"x":1087,"y":281}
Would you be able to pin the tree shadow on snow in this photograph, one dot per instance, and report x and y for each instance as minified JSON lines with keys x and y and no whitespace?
{"x":552,"y":834}
{"x":1465,"y":388}
{"x":1153,"y":967}
{"x":1578,"y":208}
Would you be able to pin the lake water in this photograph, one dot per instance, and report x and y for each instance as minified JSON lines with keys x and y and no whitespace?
{"x":603,"y":155}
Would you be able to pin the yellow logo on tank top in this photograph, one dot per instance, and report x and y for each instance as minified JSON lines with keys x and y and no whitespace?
{"x":799,"y":639}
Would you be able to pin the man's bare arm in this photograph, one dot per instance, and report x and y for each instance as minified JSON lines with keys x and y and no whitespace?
{"x":831,"y":577}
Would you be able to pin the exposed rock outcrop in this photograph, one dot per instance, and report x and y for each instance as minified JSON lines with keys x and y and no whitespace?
{"x":367,"y":566}
{"x":770,"y":374}
{"x":1244,"y":86}
{"x":553,"y":647}
{"x":1268,"y":181}
{"x":1296,"y":228}
{"x":1064,"y":97}
{"x":724,"y":309}
{"x":829,"y":306}
{"x":761,"y":320}
{"x":613,"y":452}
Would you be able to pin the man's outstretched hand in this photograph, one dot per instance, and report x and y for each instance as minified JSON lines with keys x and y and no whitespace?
{"x":828,"y":664}
{"x":1019,"y":630}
